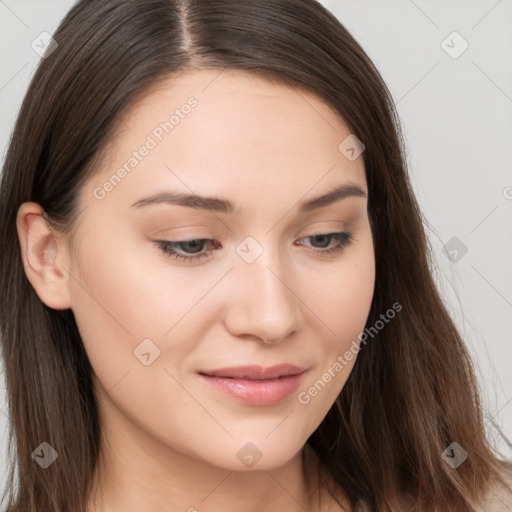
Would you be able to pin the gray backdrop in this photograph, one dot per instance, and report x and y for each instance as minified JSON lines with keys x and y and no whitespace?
{"x":448,"y":65}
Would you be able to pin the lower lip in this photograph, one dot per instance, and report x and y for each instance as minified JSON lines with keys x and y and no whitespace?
{"x":253,"y":392}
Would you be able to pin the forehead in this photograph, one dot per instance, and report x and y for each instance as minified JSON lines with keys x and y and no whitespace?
{"x":227,"y":133}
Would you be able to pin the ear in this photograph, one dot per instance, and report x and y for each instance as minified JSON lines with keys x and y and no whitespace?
{"x":45,"y":257}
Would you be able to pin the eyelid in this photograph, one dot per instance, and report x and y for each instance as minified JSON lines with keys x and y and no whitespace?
{"x":323,"y":229}
{"x":177,"y":229}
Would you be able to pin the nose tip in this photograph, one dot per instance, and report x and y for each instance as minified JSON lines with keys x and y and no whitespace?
{"x":265,"y":307}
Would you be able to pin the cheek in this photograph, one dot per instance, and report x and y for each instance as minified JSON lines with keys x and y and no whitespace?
{"x":342,"y":297}
{"x":354,"y":307}
{"x":125,"y":285}
{"x":343,"y":303}
{"x":123,"y":293}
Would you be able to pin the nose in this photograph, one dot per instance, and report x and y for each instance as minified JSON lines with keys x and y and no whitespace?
{"x":265,"y":301}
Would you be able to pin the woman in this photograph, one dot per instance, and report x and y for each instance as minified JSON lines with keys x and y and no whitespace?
{"x":220,"y":277}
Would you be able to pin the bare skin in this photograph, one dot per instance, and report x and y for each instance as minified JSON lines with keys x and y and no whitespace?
{"x":173,"y":442}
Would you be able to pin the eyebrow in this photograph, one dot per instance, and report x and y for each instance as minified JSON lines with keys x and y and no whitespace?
{"x":219,"y":205}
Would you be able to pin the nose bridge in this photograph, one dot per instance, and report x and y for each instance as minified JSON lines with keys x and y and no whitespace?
{"x":266,"y":305}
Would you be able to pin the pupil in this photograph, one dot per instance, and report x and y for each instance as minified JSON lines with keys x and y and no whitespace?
{"x":196,"y":243}
{"x":324,"y":237}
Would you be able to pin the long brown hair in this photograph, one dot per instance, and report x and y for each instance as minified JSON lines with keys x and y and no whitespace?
{"x":412,"y":391}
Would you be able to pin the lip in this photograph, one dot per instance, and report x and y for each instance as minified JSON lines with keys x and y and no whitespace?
{"x":255,"y":372}
{"x":255,"y":385}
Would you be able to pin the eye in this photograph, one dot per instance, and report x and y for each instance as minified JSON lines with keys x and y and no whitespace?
{"x":342,"y":240}
{"x":169,"y":248}
{"x":195,"y":246}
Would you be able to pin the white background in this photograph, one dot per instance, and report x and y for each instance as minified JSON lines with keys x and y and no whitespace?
{"x":457,"y":120}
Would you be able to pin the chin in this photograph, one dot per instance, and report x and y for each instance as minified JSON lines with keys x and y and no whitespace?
{"x":257,"y":455}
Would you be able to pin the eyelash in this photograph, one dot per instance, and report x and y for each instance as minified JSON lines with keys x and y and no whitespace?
{"x":344,"y":239}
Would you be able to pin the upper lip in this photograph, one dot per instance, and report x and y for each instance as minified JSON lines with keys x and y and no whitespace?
{"x":254,"y":372}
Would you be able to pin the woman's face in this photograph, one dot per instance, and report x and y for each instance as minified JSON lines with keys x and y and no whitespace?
{"x":268,"y":288}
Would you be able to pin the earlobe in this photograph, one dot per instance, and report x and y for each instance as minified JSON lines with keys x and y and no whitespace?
{"x":44,"y":257}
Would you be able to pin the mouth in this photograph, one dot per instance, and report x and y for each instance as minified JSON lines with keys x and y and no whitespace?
{"x":254,"y":372}
{"x":246,"y":378}
{"x":257,"y":386}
